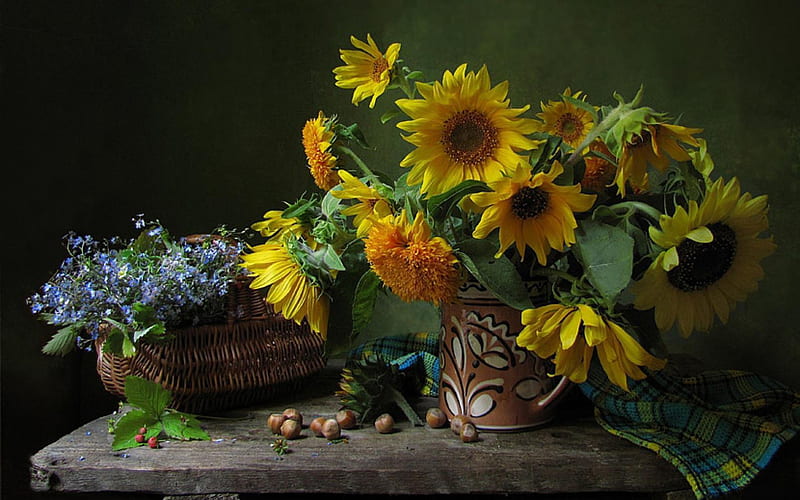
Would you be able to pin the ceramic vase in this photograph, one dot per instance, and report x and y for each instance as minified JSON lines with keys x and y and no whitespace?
{"x":485,"y":376}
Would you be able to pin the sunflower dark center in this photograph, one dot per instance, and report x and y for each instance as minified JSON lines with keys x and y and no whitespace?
{"x":569,"y":127}
{"x":703,"y":264}
{"x":379,"y":65}
{"x":469,"y":137}
{"x":529,"y":202}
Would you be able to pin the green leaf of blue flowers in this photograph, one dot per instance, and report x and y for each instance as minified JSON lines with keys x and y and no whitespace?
{"x":113,"y":341}
{"x":606,"y":254}
{"x":154,"y":329}
{"x":143,"y":313}
{"x":128,"y":347}
{"x":147,"y":395}
{"x":364,"y":300}
{"x":152,"y":240}
{"x":497,"y":274}
{"x":148,"y":324}
{"x":63,"y":341}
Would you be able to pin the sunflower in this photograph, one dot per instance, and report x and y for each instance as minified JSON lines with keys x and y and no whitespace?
{"x":275,"y":226}
{"x":565,"y":120}
{"x":370,"y":202}
{"x":463,"y":129}
{"x":711,"y":259}
{"x":291,"y":291}
{"x":531,"y":211}
{"x":572,"y":333}
{"x":411,"y":263}
{"x":366,"y":70}
{"x":317,"y":139}
{"x":599,"y":172}
{"x":653,"y":145}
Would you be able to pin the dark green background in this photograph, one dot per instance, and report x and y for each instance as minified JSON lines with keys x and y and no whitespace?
{"x":191,"y":113}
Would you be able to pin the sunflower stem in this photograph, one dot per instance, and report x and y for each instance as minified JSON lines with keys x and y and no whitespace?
{"x":358,"y":161}
{"x":617,"y":114}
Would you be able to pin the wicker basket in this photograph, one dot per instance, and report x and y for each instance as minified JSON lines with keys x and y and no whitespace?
{"x":254,"y":356}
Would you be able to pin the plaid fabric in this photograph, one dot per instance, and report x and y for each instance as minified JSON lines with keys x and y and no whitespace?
{"x":719,"y":428}
{"x":414,"y":350}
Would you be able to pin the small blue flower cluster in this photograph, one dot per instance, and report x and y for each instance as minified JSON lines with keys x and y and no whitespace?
{"x":184,"y":282}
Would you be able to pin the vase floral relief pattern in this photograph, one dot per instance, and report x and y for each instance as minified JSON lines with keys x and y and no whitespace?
{"x":485,"y":375}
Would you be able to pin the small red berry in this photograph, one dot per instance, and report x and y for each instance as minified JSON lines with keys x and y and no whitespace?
{"x":143,"y":430}
{"x":153,"y":442}
{"x":139,"y":438}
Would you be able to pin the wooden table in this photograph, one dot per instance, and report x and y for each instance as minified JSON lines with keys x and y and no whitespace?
{"x":572,"y":456}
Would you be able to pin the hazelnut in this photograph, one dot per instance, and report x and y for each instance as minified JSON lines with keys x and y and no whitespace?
{"x":316,"y":426}
{"x":346,"y":419}
{"x":290,"y":429}
{"x":274,"y":422}
{"x":435,"y":418}
{"x":384,"y":423}
{"x":331,"y":429}
{"x":469,"y":433}
{"x":457,"y":422}
{"x":293,"y":414}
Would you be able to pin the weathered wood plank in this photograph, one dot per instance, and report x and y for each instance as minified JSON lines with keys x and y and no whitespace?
{"x":574,"y":455}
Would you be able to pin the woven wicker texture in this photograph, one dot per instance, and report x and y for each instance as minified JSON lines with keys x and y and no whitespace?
{"x":251,"y":358}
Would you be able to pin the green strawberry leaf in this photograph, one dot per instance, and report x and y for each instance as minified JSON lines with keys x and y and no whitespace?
{"x":128,"y":427}
{"x":183,"y":426}
{"x":147,"y":395}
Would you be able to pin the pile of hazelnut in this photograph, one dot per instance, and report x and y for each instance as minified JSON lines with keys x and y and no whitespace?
{"x":289,"y":424}
{"x":459,"y":424}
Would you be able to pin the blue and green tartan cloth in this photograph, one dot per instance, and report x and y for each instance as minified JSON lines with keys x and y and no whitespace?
{"x":718,"y":428}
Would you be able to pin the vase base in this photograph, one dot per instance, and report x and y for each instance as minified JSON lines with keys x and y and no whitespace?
{"x":508,"y":429}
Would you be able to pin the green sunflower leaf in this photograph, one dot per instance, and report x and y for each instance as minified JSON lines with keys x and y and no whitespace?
{"x":541,"y":156}
{"x":389,"y":115}
{"x":580,"y":104}
{"x":497,"y":274}
{"x":302,"y":209}
{"x":606,"y":254}
{"x":330,"y":204}
{"x":364,"y":300}
{"x":332,"y":259}
{"x":441,"y":205}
